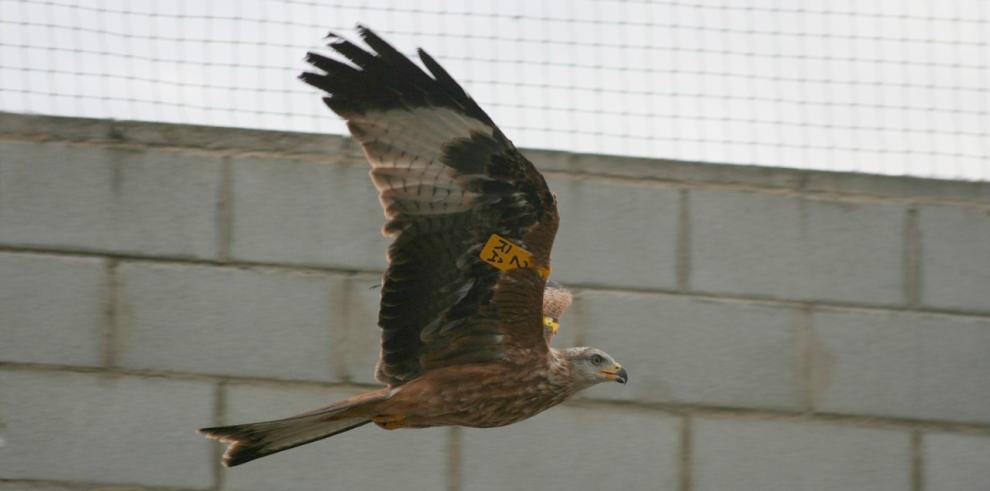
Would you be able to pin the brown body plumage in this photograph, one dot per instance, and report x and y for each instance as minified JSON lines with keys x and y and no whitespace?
{"x":454,"y":396}
{"x":466,"y":314}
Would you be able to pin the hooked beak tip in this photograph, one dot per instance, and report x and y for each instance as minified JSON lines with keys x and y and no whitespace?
{"x":622,"y":377}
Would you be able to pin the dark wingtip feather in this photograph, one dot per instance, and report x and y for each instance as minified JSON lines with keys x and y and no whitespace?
{"x":381,"y":77}
{"x":310,"y":78}
{"x":452,"y":87}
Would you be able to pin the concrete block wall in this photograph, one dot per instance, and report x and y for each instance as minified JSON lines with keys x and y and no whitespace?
{"x":784,"y":330}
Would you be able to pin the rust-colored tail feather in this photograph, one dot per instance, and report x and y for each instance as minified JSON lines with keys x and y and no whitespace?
{"x":255,"y":440}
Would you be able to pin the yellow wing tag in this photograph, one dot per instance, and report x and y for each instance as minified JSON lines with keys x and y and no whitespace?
{"x":506,"y":256}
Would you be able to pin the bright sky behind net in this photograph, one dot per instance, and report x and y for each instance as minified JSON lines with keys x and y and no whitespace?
{"x":879,"y":86}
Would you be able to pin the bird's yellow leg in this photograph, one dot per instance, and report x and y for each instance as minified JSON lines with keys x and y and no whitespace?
{"x":551,"y":325}
{"x":390,"y":421}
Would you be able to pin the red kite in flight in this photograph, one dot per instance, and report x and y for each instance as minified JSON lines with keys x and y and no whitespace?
{"x":467,"y":311}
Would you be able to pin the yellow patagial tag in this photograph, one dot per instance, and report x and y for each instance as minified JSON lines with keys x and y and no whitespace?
{"x":506,"y":256}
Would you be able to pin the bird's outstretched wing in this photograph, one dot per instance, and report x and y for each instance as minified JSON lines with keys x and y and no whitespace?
{"x":472,"y":220}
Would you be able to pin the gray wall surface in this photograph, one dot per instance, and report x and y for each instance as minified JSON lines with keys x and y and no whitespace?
{"x":784,"y":330}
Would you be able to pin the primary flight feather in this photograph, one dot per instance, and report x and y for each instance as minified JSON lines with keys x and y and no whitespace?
{"x":467,"y":312}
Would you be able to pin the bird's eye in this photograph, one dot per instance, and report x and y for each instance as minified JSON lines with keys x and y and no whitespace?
{"x":597,"y":360}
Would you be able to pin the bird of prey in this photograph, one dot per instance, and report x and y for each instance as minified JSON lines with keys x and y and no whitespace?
{"x":467,"y":312}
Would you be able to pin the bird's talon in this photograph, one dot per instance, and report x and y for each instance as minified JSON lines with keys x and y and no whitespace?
{"x":390,"y":421}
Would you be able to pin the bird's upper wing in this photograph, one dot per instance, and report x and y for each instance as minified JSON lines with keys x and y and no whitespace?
{"x":472,"y":220}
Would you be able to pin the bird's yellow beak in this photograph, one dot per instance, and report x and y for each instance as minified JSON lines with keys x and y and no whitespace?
{"x":616,"y":373}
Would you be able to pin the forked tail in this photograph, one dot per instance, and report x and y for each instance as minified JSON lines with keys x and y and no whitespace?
{"x":255,"y":440}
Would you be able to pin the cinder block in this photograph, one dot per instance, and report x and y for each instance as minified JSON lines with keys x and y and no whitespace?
{"x":227,"y":321}
{"x":34,"y":486}
{"x":567,"y":448}
{"x":689,"y":350}
{"x":902,"y":364}
{"x":955,"y":257}
{"x":365,"y":458}
{"x":955,"y":462}
{"x":288,"y":211}
{"x":147,"y":202}
{"x":105,"y":429}
{"x":615,"y":234}
{"x":52,"y":309}
{"x":360,"y":343}
{"x":793,"y":248}
{"x":751,"y":455}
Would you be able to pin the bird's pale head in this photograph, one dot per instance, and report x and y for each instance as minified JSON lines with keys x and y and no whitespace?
{"x":590,"y":366}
